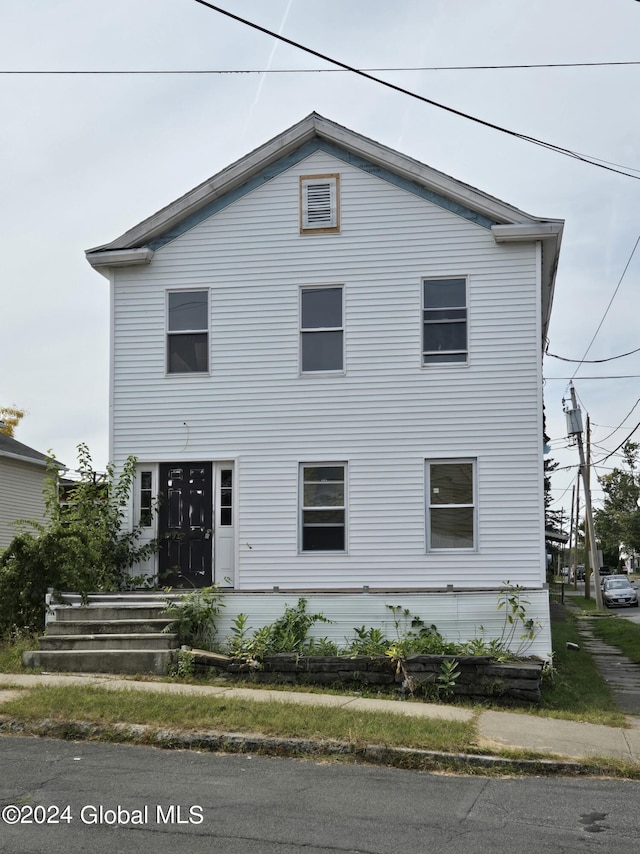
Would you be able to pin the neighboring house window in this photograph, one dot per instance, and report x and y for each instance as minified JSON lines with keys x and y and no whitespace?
{"x":451,"y":505}
{"x":323,"y":507}
{"x":444,"y":321}
{"x":146,"y":499}
{"x":319,"y":203}
{"x":187,"y":332}
{"x":321,"y":329}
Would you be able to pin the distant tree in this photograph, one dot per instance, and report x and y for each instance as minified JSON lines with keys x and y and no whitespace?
{"x":618,"y":522}
{"x":10,"y":417}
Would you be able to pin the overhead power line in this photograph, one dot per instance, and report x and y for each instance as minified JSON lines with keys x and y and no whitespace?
{"x":624,"y":441}
{"x":626,"y":267}
{"x":594,"y":361}
{"x":593,"y":161}
{"x":324,"y":70}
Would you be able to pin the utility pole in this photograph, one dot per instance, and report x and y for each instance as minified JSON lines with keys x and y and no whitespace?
{"x":577,"y":530}
{"x":574,"y":428}
{"x":573,"y":570}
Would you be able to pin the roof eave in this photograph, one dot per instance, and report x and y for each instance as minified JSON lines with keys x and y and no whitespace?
{"x":549,"y":233}
{"x":280,"y":146}
{"x":43,"y":463}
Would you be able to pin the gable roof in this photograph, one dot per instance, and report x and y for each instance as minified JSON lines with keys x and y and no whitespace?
{"x":507,"y":223}
{"x":11,"y":448}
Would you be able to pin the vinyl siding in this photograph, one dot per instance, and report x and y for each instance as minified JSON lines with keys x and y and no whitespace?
{"x":383,"y":417}
{"x":20,"y":496}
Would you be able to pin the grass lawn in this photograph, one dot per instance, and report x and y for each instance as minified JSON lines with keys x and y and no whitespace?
{"x":576,"y":691}
{"x":184,"y":712}
{"x":620,"y":633}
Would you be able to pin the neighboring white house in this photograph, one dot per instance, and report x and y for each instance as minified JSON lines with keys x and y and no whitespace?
{"x":327,"y":359}
{"x":22,"y":476}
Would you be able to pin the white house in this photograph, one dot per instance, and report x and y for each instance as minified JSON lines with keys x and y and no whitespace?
{"x":23,"y":472}
{"x":327,"y":361}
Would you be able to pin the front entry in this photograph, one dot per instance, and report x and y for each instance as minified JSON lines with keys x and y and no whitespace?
{"x":196,"y":527}
{"x":185,"y":517}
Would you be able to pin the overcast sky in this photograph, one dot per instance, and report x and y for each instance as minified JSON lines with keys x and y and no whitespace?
{"x":85,"y":157}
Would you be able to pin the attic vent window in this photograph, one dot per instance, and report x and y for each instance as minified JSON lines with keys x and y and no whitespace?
{"x":319,"y":203}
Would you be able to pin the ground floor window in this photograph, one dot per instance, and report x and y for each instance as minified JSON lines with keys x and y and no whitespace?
{"x":451,"y":505}
{"x":323,"y":507}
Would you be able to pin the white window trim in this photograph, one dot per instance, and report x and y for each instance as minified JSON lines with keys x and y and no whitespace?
{"x":444,"y":365}
{"x":301,"y":508}
{"x":323,"y":227}
{"x":302,"y":329}
{"x":427,"y":476}
{"x":169,"y":332}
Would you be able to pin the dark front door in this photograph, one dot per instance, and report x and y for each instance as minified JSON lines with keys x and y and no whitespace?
{"x":185,"y":522}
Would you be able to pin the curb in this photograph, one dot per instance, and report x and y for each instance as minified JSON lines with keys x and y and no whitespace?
{"x":255,"y":743}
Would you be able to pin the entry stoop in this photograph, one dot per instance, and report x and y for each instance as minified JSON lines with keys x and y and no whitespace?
{"x":109,"y":633}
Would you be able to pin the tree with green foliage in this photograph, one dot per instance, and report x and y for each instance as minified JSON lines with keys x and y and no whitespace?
{"x":618,"y":521}
{"x":82,"y":546}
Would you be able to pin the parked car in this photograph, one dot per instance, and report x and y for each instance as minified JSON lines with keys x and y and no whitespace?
{"x":617,"y":591}
{"x":604,"y":578}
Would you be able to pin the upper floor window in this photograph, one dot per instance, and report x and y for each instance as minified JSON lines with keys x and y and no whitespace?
{"x":451,"y":505}
{"x":444,"y":321}
{"x":321,"y":329}
{"x":187,"y":332}
{"x":319,"y":203}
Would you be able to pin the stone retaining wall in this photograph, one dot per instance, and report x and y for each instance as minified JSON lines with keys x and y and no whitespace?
{"x":478,"y":677}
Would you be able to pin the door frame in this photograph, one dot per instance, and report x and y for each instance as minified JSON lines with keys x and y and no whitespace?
{"x":151,"y":566}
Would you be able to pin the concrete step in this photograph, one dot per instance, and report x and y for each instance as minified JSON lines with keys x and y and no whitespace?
{"x":118,"y":627}
{"x":129,"y":662}
{"x":138,"y":597}
{"x":101,"y":613}
{"x":145,"y":641}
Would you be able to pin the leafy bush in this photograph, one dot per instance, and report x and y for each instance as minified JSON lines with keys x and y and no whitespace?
{"x":289,"y":633}
{"x":194,"y":616}
{"x":82,"y":546}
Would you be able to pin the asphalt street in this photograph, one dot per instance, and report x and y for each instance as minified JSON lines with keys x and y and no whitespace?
{"x":67,"y":797}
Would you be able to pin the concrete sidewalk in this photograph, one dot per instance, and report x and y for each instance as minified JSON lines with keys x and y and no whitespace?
{"x":495,"y":730}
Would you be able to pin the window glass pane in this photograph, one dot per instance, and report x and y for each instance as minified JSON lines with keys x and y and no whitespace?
{"x":452,"y":528}
{"x":188,"y":310}
{"x":323,"y":517}
{"x":441,"y":358}
{"x":445,"y":336}
{"x":445,"y":293}
{"x":324,"y":495}
{"x":318,"y":474}
{"x":323,"y":539}
{"x":188,"y":353}
{"x":322,"y":351}
{"x":226,"y":478}
{"x":321,"y":308}
{"x":435,"y":314}
{"x":451,"y":483}
{"x":146,"y":499}
{"x":225,"y":516}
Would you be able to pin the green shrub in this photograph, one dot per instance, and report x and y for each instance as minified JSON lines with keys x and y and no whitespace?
{"x":82,"y":546}
{"x":194,"y":616}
